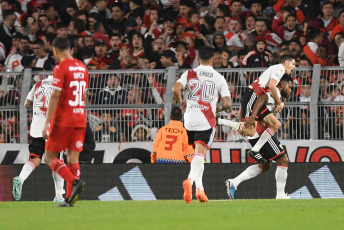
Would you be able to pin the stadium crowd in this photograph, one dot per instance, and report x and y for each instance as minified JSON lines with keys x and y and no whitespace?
{"x":157,"y":34}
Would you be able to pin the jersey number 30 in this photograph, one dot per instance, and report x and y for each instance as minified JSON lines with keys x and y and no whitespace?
{"x":80,"y":87}
{"x":204,"y":90}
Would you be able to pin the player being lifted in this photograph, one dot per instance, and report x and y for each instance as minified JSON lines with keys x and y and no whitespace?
{"x":203,"y":85}
{"x":271,"y":150}
{"x":267,"y":81}
{"x":67,"y":117}
{"x":37,"y":99}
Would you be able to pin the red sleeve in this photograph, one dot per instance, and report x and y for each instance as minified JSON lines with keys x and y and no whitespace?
{"x":58,"y":77}
{"x":146,"y":21}
{"x":276,"y":24}
{"x":313,"y":57}
{"x":278,"y":5}
{"x":300,"y":17}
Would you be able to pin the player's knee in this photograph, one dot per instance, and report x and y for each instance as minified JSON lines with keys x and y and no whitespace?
{"x":284,"y":161}
{"x":265,"y":167}
{"x":277,"y":125}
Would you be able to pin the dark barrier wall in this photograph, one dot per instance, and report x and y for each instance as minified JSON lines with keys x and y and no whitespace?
{"x":164,"y":181}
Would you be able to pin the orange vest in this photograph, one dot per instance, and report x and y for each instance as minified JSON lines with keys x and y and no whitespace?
{"x":171,"y":145}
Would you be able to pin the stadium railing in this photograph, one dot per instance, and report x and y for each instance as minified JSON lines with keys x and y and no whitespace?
{"x":140,"y":106}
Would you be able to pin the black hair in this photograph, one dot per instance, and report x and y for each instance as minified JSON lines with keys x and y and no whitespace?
{"x":286,"y":57}
{"x":61,"y":43}
{"x":115,"y":35}
{"x":43,"y":15}
{"x":79,"y":25}
{"x":97,"y":26}
{"x":286,"y":78}
{"x":206,"y":52}
{"x":39,"y":42}
{"x":312,"y":32}
{"x":305,"y":58}
{"x":224,"y":9}
{"x":50,"y":37}
{"x":24,"y":37}
{"x":61,"y":25}
{"x":46,"y":6}
{"x":7,"y":13}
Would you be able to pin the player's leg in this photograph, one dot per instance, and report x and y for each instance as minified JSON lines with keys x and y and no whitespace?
{"x":250,"y":172}
{"x":273,"y":126}
{"x":197,"y":173}
{"x":281,"y":177}
{"x":36,"y":148}
{"x":74,"y":148}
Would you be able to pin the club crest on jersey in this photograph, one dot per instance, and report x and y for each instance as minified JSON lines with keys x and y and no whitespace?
{"x":79,"y":144}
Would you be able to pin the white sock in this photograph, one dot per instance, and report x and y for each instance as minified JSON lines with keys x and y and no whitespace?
{"x":281,"y":179}
{"x":249,"y":173}
{"x":199,"y":178}
{"x":266,"y":135}
{"x":58,"y":182}
{"x":26,"y":170}
{"x":234,"y":124}
{"x":196,"y":166}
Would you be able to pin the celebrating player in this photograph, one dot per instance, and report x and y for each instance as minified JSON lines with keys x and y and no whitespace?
{"x":67,"y":117}
{"x":271,"y":150}
{"x":267,"y":81}
{"x":203,"y":85}
{"x":37,"y":99}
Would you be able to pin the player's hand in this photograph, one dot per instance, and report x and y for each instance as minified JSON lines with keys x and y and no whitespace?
{"x":279,"y":107}
{"x":250,"y":121}
{"x":45,"y":133}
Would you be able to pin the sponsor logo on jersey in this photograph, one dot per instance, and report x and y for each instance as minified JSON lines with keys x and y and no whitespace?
{"x":79,"y":144}
{"x":77,"y":68}
{"x":79,"y":110}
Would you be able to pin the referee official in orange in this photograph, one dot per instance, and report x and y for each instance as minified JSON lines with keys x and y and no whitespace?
{"x":171,"y":143}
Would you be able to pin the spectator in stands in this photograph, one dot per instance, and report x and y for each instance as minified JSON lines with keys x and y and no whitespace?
{"x":141,"y":133}
{"x":235,"y":27}
{"x":290,"y":30}
{"x":168,"y":58}
{"x":236,"y":8}
{"x":117,"y":21}
{"x":101,"y":54}
{"x":219,"y":40}
{"x":327,"y":16}
{"x":113,"y":93}
{"x":89,"y":41}
{"x":339,"y":28}
{"x":259,"y":57}
{"x":311,"y":49}
{"x":77,"y":27}
{"x":324,"y":54}
{"x":44,"y":23}
{"x":261,"y":29}
{"x":41,"y":55}
{"x":250,"y":24}
{"x":294,"y":48}
{"x":13,"y":61}
{"x":7,"y":29}
{"x":107,"y":131}
{"x":92,"y":20}
{"x":61,"y":30}
{"x":30,"y":26}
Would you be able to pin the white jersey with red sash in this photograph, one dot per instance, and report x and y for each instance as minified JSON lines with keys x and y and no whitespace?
{"x":202,"y":87}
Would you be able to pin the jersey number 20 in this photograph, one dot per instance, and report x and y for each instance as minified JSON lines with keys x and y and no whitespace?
{"x":204,"y":90}
{"x":80,"y":87}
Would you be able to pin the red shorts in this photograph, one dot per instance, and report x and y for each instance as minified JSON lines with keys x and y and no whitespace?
{"x":62,"y":138}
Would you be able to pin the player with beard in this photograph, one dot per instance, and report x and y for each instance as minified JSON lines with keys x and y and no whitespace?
{"x":272,"y":150}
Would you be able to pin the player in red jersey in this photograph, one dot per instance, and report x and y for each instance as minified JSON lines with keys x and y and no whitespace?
{"x":67,"y":117}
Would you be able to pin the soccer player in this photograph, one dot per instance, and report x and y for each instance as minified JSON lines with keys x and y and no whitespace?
{"x":171,"y":143}
{"x":272,"y":150}
{"x":203,"y":85}
{"x":37,"y":99}
{"x":67,"y":117}
{"x":267,"y":81}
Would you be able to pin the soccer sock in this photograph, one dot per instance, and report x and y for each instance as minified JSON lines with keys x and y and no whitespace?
{"x":61,"y":168}
{"x":58,"y":182}
{"x":266,"y":135}
{"x":249,"y":173}
{"x":26,"y":170}
{"x":199,"y":178}
{"x":281,"y":178}
{"x":196,"y":166}
{"x":75,"y":170}
{"x":234,"y":124}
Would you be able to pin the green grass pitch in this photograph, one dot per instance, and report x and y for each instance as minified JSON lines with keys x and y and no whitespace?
{"x":175,"y":214}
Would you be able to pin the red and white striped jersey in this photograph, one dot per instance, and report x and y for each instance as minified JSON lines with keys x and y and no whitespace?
{"x":260,"y":84}
{"x":39,"y":95}
{"x":202,"y":87}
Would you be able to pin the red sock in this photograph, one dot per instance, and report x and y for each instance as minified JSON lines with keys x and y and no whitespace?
{"x":61,"y":168}
{"x":75,"y":170}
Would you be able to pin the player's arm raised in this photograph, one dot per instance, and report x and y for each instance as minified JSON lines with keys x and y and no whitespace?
{"x":261,"y":100}
{"x":53,"y":101}
{"x":273,"y":89}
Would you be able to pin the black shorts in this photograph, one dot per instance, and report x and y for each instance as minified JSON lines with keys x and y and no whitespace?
{"x":272,"y":150}
{"x":247,"y":103}
{"x":205,"y":137}
{"x":36,"y":147}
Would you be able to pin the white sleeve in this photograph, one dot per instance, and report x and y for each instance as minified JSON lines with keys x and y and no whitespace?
{"x":277,"y":73}
{"x":341,"y":54}
{"x":157,"y":96}
{"x":31,"y":94}
{"x":235,"y":41}
{"x":224,"y":90}
{"x":7,"y":62}
{"x":183,"y":79}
